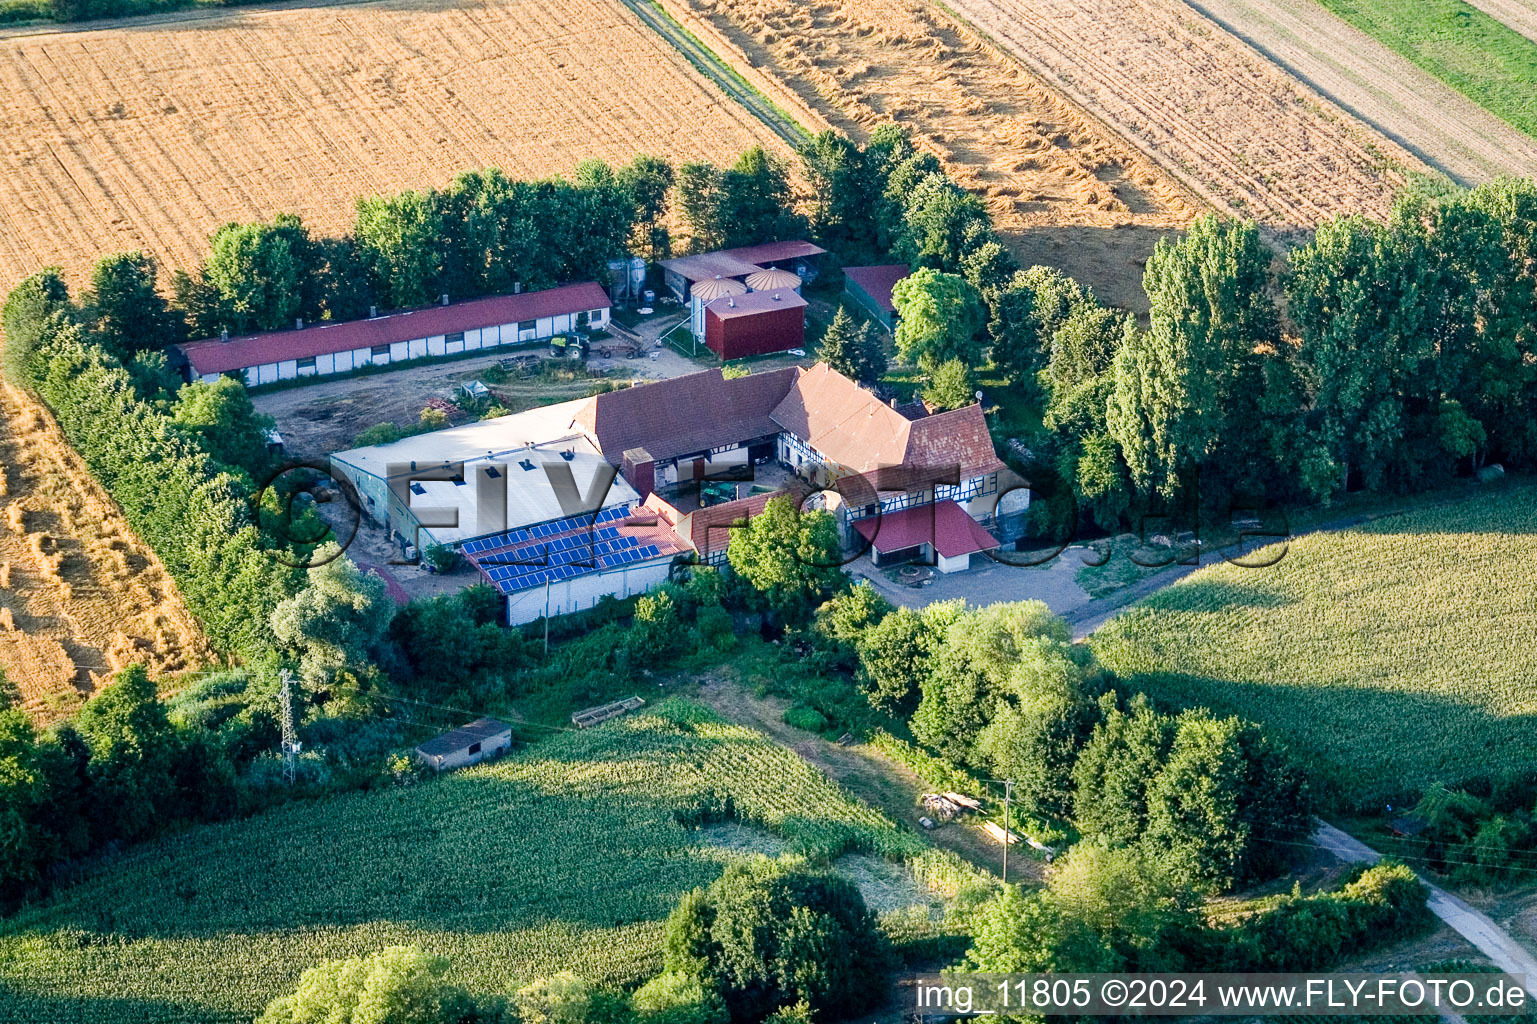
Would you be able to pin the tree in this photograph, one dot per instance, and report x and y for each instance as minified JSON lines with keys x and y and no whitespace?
{"x":1189,"y":392}
{"x":1116,"y":768}
{"x":987,"y":264}
{"x":25,"y":842}
{"x":398,"y":242}
{"x":226,"y":424}
{"x":1079,"y":386}
{"x":128,"y":313}
{"x":895,"y":655}
{"x":1026,"y":313}
{"x":261,"y":274}
{"x":790,"y":557}
{"x":30,"y":311}
{"x":942,"y":222}
{"x":843,"y":621}
{"x":697,"y":196}
{"x":769,"y":934}
{"x":941,"y":319}
{"x":649,"y":180}
{"x":133,"y":748}
{"x":568,"y":999}
{"x":756,"y":202}
{"x":1344,"y":296}
{"x":950,"y":386}
{"x":848,"y":182}
{"x":852,"y":348}
{"x":337,"y":619}
{"x":397,"y":985}
{"x":1227,"y":806}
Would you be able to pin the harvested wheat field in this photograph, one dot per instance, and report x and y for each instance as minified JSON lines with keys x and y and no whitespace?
{"x":1237,"y":128}
{"x":151,"y":134}
{"x":80,"y":596}
{"x":1063,"y":189}
{"x":1436,"y":122}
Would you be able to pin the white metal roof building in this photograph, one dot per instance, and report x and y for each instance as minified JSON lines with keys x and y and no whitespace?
{"x":508,"y":473}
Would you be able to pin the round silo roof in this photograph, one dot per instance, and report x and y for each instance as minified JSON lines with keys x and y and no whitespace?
{"x":772,"y":278}
{"x":718,"y":288}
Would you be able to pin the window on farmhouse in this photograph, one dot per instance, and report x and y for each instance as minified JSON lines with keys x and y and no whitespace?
{"x":527,"y":325}
{"x":456,"y":336}
{"x":307,"y":364}
{"x":596,"y":314}
{"x":379,"y":350}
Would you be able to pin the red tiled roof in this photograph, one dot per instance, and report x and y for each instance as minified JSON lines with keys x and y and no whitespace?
{"x":708,"y":529}
{"x":860,"y":433}
{"x":217,"y":356}
{"x":877,"y":282}
{"x":943,"y":524}
{"x":754,"y":302}
{"x":684,"y":415}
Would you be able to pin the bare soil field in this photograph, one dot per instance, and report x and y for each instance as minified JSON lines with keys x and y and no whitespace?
{"x":150,"y":133}
{"x":1439,"y":125}
{"x":80,"y":596}
{"x":1062,"y":188}
{"x":1223,"y":118}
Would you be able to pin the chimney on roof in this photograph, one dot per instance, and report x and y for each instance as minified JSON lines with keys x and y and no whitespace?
{"x":224,"y":334}
{"x":445,"y":298}
{"x":893,"y":403}
{"x":373,"y":311}
{"x":730,"y":301}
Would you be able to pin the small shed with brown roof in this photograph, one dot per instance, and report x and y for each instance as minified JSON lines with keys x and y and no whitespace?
{"x":466,"y":745}
{"x":870,"y":288}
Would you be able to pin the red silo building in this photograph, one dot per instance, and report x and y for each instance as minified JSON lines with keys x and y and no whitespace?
{"x":755,"y":324}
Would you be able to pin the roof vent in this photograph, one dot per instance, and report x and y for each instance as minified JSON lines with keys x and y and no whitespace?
{"x":224,"y":334}
{"x":731,"y":302}
{"x":568,"y":454}
{"x":527,"y":465}
{"x":776,"y":296}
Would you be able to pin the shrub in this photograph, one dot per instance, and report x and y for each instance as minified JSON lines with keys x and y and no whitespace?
{"x":771,"y":934}
{"x":678,"y":998}
{"x":805,"y":718}
{"x":568,"y":999}
{"x":399,"y":985}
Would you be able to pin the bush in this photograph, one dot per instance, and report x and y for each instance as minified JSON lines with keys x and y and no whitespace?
{"x":805,"y":718}
{"x":678,"y":998}
{"x":771,"y":934}
{"x":399,"y":985}
{"x":1379,"y":906}
{"x":568,"y":999}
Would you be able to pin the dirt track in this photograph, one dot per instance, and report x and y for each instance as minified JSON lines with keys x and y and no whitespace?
{"x":80,"y":594}
{"x":1240,"y":130}
{"x":1435,"y":122}
{"x":1062,"y":188}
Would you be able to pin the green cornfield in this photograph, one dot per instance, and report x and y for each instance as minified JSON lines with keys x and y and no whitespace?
{"x":566,"y":856}
{"x":1389,"y":656}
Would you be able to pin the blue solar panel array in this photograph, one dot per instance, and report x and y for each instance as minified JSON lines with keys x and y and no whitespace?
{"x":513,"y":538}
{"x":520,"y":559}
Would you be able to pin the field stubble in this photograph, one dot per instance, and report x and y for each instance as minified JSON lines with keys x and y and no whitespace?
{"x":1238,"y":129}
{"x":80,"y":595}
{"x":151,"y":134}
{"x":1061,"y":188}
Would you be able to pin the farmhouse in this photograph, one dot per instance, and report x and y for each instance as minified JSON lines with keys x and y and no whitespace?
{"x":870,"y":289}
{"x":558,"y":506}
{"x":444,"y":330}
{"x":480,"y":739}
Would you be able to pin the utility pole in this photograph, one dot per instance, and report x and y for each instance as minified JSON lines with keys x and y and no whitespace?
{"x":290,"y":741}
{"x":546,"y":616}
{"x":1008,"y":791}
